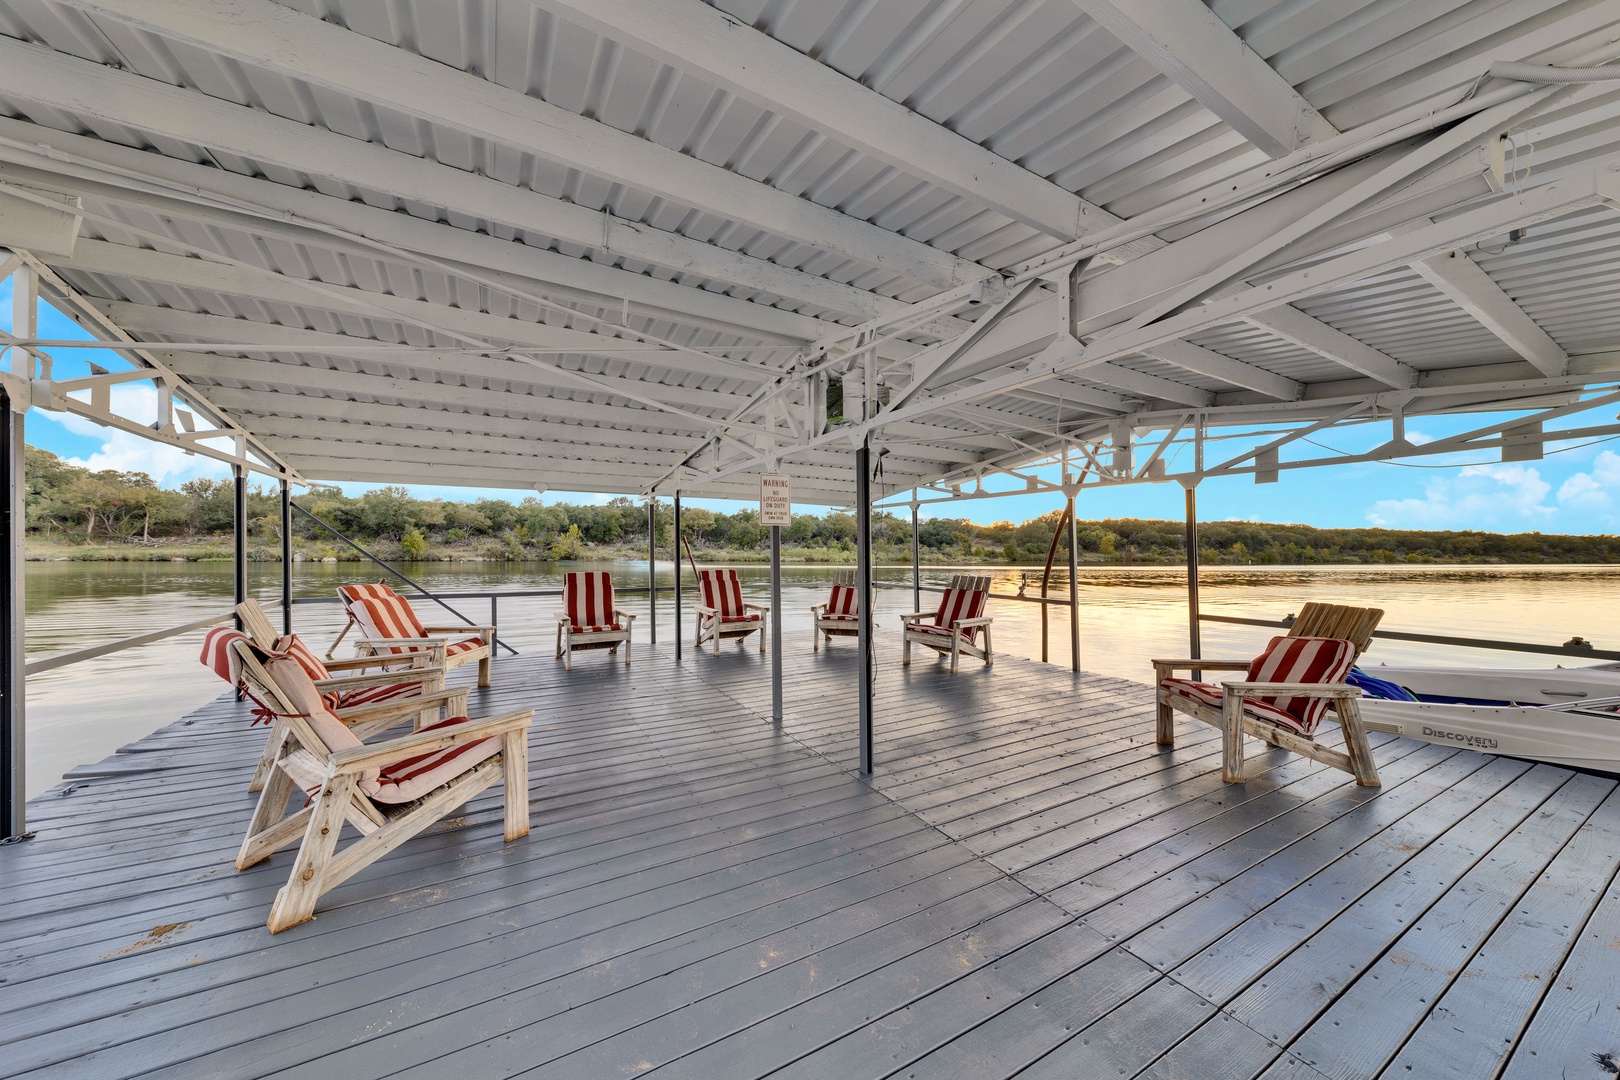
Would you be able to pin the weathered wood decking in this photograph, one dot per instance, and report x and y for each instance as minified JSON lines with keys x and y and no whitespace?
{"x":1028,"y":887}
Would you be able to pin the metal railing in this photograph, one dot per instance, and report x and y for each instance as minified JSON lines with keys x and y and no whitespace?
{"x":61,"y":660}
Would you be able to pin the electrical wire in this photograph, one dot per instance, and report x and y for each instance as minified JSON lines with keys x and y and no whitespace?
{"x":1460,"y":464}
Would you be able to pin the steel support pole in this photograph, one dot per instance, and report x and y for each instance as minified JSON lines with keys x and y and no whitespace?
{"x":1194,"y":643}
{"x":13,"y":680}
{"x":286,"y":557}
{"x":678,"y":645}
{"x":916,"y":558}
{"x":239,"y":531}
{"x":652,"y":573}
{"x":1074,"y":589}
{"x":863,"y":587}
{"x":776,"y":623}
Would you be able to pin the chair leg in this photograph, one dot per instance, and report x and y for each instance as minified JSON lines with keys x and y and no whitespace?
{"x":257,"y":845}
{"x":568,"y":652}
{"x":762,"y":633}
{"x":1355,"y":742}
{"x":956,"y":650}
{"x":905,"y":648}
{"x":989,"y":659}
{"x":515,"y":760}
{"x":483,"y":668}
{"x":815,"y":639}
{"x":295,"y":902}
{"x":1165,"y":729}
{"x":559,"y":640}
{"x":267,"y":758}
{"x":627,"y":650}
{"x":1232,"y":738}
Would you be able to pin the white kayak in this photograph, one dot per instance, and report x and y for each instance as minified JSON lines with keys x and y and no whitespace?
{"x":1584,"y":734}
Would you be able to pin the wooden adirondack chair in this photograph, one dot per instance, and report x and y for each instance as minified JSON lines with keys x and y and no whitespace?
{"x":590,"y":619}
{"x":1284,"y":694}
{"x":955,"y":625}
{"x":388,"y":791}
{"x":838,"y":614}
{"x":724,"y":613}
{"x":367,"y":703}
{"x":390,"y":626}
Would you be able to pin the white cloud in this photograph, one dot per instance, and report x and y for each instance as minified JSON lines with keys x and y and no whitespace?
{"x":1591,"y":490}
{"x":1479,"y":496}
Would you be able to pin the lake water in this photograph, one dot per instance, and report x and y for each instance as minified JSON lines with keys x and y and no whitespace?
{"x":84,"y":712}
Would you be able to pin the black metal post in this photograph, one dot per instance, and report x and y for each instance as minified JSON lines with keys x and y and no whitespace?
{"x":863,"y":587}
{"x":239,"y":546}
{"x":1193,"y":639}
{"x":286,"y":557}
{"x":13,"y":680}
{"x":677,"y":577}
{"x":916,"y":562}
{"x":652,"y":573}
{"x":776,"y":623}
{"x":1074,"y":589}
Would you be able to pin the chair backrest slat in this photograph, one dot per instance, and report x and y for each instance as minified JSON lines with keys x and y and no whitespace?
{"x":1352,"y":624}
{"x":965,"y":598}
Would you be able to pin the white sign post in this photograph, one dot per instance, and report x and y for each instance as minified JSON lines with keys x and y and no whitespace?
{"x":775,"y":502}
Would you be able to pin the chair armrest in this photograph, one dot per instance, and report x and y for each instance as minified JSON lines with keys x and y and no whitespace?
{"x":765,"y":608}
{"x":915,"y":615}
{"x":403,"y":707}
{"x":818,"y":610}
{"x":562,"y":617}
{"x":462,"y":629}
{"x":349,"y":762}
{"x":1201,"y":665}
{"x":360,"y":663}
{"x":701,"y":610}
{"x":402,"y":642}
{"x":624,"y":616}
{"x":383,"y":678}
{"x":1289,"y":689}
{"x":982,"y":620}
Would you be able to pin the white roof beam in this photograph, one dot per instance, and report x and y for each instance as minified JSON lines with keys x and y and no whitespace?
{"x":94,"y":256}
{"x":1294,"y":325}
{"x":1460,"y":278}
{"x":693,"y":36}
{"x":307,"y":217}
{"x":93,"y":91}
{"x":1196,"y":358}
{"x":1189,"y":43}
{"x":277,"y":38}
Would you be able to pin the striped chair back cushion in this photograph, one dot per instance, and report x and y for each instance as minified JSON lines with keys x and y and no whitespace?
{"x":381,"y":612}
{"x":1302,"y":660}
{"x":842,"y":604}
{"x":292,"y":645}
{"x":218,"y":655}
{"x":588,"y":597}
{"x":961,"y":604}
{"x":722,"y":590}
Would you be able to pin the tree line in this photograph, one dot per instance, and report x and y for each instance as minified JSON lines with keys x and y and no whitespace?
{"x":72,"y":505}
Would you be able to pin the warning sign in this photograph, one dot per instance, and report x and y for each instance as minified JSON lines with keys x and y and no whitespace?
{"x":775,"y":503}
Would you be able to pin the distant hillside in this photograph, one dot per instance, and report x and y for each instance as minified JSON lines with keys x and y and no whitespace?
{"x":78,"y":514}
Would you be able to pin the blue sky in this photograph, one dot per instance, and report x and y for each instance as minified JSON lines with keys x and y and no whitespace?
{"x":1574,"y":489}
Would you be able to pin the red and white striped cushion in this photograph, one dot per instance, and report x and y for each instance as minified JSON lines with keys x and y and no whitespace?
{"x":383,"y":613}
{"x":723,"y":591}
{"x":959,"y":604}
{"x":1212,"y":694}
{"x":1208,"y":693}
{"x":1301,"y":660}
{"x":218,"y":655}
{"x":292,"y":645}
{"x":588,"y":598}
{"x":414,"y":777}
{"x":843,"y":603}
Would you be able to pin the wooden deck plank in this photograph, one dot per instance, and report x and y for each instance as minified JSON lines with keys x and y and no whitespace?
{"x":706,"y":894}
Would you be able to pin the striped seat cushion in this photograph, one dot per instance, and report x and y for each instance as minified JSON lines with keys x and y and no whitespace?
{"x":723,"y":591}
{"x":383,"y":613}
{"x":588,"y":599}
{"x":404,"y":781}
{"x":955,"y":605}
{"x":1323,"y":661}
{"x":842,"y":604}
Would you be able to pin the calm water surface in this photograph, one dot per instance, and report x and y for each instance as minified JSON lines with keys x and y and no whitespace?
{"x":84,"y":712}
